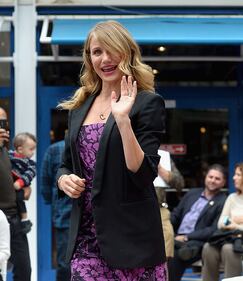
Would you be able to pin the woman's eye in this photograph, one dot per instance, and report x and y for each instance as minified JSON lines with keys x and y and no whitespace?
{"x":96,"y":52}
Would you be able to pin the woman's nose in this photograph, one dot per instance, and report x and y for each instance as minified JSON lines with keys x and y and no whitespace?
{"x":106,"y":56}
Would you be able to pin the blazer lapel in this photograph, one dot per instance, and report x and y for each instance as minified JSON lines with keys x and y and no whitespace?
{"x":209,"y":205}
{"x":79,"y":115}
{"x":190,"y":202}
{"x":101,"y":155}
{"x":77,"y":120}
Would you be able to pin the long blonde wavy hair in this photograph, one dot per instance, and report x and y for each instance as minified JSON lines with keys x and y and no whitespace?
{"x":116,"y":39}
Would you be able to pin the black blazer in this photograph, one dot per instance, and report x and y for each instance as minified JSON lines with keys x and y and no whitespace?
{"x":208,"y":219}
{"x":125,"y":207}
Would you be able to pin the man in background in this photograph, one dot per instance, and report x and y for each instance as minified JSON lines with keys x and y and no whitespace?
{"x":61,"y":207}
{"x":195,"y":219}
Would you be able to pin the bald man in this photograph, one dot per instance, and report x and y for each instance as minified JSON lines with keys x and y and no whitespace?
{"x":19,"y":244}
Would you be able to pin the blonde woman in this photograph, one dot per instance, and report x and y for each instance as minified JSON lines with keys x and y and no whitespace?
{"x":231,"y":219}
{"x":116,"y":123}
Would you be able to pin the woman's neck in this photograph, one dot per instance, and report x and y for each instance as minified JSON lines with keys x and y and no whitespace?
{"x":108,"y":88}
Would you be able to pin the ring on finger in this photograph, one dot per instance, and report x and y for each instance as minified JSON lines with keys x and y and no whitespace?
{"x":129,"y":93}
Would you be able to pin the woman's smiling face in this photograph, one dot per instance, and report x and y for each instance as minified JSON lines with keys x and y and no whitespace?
{"x":104,"y":62}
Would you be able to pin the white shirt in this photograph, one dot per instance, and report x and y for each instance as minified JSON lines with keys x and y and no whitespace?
{"x":4,"y":238}
{"x":233,"y":207}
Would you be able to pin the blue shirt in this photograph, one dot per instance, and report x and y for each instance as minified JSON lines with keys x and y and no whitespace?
{"x":61,"y":207}
{"x":190,"y":219}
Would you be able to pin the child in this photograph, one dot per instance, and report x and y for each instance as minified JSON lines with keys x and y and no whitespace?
{"x":23,"y":171}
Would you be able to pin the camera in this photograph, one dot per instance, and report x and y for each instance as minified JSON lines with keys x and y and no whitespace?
{"x":3,"y":124}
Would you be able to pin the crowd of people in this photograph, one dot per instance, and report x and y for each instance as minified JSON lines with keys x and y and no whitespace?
{"x":108,"y":216}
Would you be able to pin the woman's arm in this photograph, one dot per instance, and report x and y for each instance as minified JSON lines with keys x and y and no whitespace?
{"x":173,"y":178}
{"x":143,"y":142}
{"x":133,"y":152}
{"x":120,"y":109}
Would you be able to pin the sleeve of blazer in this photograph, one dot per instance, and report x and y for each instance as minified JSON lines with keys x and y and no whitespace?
{"x":66,"y":164}
{"x":149,"y":126}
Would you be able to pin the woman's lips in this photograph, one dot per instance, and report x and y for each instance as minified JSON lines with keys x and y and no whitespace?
{"x":108,"y":68}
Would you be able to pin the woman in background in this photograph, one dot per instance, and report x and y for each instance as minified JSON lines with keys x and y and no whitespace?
{"x":231,"y":219}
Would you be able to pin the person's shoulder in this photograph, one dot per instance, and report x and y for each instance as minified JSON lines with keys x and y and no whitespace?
{"x":55,"y":148}
{"x":233,"y":196}
{"x":57,"y":144}
{"x":220,"y":196}
{"x":149,"y":96}
{"x":195,"y":190}
{"x":146,"y":98}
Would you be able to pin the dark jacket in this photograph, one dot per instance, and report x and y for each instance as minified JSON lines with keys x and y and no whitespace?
{"x":125,"y":206}
{"x":7,"y":191}
{"x":207,"y":221}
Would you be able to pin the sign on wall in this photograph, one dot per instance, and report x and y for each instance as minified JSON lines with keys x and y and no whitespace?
{"x":175,"y":149}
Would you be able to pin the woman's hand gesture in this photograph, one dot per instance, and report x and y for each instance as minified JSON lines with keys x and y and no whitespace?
{"x":121,"y":106}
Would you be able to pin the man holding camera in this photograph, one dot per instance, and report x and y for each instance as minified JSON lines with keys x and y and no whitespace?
{"x":19,"y":244}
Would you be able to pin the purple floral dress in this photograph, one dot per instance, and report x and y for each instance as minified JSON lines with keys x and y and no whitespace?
{"x":87,"y":263}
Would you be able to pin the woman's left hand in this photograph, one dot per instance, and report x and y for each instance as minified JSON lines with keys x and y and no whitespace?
{"x":238,"y":219}
{"x":120,"y":107}
{"x":231,"y":226}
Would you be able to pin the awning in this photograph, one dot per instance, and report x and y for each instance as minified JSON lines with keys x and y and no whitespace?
{"x":158,"y":30}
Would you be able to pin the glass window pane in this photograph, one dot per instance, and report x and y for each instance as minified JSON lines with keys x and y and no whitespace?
{"x":204,"y":135}
{"x":5,"y":67}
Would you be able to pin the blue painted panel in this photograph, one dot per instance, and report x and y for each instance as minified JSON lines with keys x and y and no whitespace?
{"x":47,"y":99}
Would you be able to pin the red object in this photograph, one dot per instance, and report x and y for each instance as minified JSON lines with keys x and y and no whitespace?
{"x":178,"y":149}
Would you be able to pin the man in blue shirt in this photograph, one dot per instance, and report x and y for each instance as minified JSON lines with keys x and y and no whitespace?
{"x":61,"y":207}
{"x":195,"y":219}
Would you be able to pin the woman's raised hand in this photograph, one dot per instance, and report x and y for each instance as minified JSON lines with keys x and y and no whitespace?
{"x":72,"y":185}
{"x":121,"y":106}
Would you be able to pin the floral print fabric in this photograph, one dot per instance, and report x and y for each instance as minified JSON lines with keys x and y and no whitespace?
{"x":87,"y":264}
